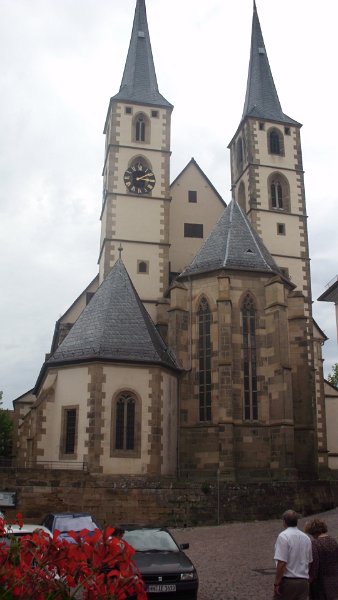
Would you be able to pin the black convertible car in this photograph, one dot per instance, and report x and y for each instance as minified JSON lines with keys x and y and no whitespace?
{"x":166,"y":570}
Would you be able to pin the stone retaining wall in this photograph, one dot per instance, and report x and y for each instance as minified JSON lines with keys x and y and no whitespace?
{"x":162,"y":501}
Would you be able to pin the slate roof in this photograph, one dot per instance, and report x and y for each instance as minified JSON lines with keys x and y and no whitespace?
{"x":232,"y":244}
{"x":114,"y":326}
{"x":261,"y":99}
{"x":139,"y":82}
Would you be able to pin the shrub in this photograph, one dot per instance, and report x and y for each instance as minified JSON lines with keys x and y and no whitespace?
{"x":39,"y":567}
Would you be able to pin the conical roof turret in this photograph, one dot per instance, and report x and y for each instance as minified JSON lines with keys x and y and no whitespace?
{"x":261,"y":100}
{"x":232,"y":244}
{"x":139,"y":82}
{"x":114,"y":327}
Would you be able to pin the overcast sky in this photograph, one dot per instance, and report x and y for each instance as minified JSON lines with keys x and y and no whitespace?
{"x":61,"y":61}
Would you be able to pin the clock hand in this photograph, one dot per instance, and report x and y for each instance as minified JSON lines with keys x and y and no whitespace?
{"x":143,"y":177}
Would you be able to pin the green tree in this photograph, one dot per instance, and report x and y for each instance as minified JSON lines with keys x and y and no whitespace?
{"x":6,"y":427}
{"x":333,"y":377}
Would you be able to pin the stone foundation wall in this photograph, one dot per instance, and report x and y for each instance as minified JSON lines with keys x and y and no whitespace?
{"x":165,"y":501}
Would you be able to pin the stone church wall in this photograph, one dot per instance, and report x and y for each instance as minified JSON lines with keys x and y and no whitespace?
{"x":165,"y":501}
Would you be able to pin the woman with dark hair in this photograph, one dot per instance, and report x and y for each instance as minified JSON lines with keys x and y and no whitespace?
{"x":324,"y":571}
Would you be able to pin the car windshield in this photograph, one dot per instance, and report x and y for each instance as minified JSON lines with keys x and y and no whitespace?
{"x":74,"y":523}
{"x":144,"y":540}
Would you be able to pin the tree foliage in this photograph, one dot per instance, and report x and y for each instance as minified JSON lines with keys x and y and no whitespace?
{"x":6,"y":428}
{"x":333,"y":376}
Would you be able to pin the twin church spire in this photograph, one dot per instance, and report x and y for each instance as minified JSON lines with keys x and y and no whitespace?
{"x":261,"y":100}
{"x":139,"y":82}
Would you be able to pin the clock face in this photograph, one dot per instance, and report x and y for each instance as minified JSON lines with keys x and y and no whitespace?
{"x":139,"y":179}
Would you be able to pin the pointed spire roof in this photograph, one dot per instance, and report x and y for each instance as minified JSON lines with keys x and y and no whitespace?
{"x":232,"y":244}
{"x":114,"y":327}
{"x":139,"y":82}
{"x":261,"y":99}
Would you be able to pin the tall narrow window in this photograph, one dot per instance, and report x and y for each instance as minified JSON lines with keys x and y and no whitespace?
{"x":125,"y":422}
{"x":276,"y":195}
{"x":140,"y":133}
{"x":274,"y":143}
{"x":204,"y":360}
{"x":249,"y":359}
{"x":239,"y":157}
{"x":70,"y":431}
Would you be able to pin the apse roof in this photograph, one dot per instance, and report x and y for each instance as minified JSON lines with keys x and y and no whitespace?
{"x":114,"y":326}
{"x":261,"y":99}
{"x":139,"y":82}
{"x":232,"y":244}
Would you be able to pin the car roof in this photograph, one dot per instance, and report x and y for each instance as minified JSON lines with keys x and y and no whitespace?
{"x":70,"y":514}
{"x":128,"y":526}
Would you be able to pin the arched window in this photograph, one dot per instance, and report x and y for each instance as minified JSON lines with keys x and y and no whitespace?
{"x":276,"y":194}
{"x":275,"y":141}
{"x":239,"y":154}
{"x":241,"y":196}
{"x":125,"y":422}
{"x":279,"y":192}
{"x":140,"y":131}
{"x":142,"y":266}
{"x":204,"y":360}
{"x":249,"y":359}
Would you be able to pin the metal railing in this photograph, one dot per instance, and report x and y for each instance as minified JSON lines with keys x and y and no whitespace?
{"x":70,"y":465}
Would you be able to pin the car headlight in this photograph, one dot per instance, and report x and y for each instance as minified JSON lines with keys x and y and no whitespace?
{"x":188,"y":576}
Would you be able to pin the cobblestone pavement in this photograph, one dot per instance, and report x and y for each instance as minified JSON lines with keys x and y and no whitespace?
{"x":235,"y":561}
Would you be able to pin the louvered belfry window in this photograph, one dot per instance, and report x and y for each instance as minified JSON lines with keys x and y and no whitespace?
{"x":275,"y":146}
{"x":140,"y":129}
{"x":125,"y":422}
{"x":276,"y":195}
{"x":249,"y":359}
{"x":204,"y":360}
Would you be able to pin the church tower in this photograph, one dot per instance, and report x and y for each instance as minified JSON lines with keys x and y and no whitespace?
{"x":267,"y":171}
{"x":136,"y":197}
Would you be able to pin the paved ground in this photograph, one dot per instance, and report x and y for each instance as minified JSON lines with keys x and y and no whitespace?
{"x":234,"y":561}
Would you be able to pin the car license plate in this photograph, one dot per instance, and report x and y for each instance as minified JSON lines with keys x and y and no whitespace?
{"x":161,"y":588}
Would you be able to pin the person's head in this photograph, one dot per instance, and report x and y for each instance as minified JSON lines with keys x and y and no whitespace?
{"x":315,"y":527}
{"x":290,"y":518}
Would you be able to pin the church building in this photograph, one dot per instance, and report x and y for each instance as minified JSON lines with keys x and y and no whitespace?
{"x":193,"y":352}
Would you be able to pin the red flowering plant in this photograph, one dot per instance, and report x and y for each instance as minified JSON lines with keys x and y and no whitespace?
{"x":94,"y":565}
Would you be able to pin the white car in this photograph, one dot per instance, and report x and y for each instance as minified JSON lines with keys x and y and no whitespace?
{"x":27,"y":529}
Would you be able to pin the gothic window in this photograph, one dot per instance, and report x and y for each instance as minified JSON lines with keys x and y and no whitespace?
{"x":125,"y":422}
{"x":275,"y":142}
{"x":249,"y":359}
{"x":276,"y":194}
{"x":241,"y":196}
{"x":204,"y":360}
{"x":279,"y":192}
{"x":141,"y":128}
{"x":69,"y":431}
{"x":239,"y":154}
